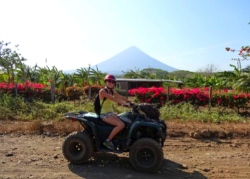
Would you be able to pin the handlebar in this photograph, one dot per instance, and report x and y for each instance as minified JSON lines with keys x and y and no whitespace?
{"x":125,"y":105}
{"x":131,"y":104}
{"x":134,"y":107}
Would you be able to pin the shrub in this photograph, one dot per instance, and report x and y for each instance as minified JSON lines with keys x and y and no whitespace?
{"x":196,"y":97}
{"x":73,"y":92}
{"x":28,"y":90}
{"x":186,"y":111}
{"x":94,"y":89}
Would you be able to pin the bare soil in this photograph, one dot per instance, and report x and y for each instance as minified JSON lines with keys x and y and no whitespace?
{"x":30,"y":155}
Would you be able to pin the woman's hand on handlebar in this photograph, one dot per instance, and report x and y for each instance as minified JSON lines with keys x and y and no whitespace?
{"x":126,"y":105}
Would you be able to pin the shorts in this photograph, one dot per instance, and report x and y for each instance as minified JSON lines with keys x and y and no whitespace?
{"x":105,"y":115}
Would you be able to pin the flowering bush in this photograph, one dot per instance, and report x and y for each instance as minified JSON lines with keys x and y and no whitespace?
{"x":195,"y":96}
{"x":94,"y":89}
{"x":28,"y":90}
{"x":73,"y":92}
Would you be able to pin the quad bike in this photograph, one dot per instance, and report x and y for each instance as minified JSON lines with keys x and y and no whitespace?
{"x":142,"y":137}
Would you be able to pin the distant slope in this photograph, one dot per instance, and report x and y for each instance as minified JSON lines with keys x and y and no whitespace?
{"x":130,"y":58}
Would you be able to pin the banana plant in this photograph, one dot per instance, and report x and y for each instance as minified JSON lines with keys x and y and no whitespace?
{"x":133,"y":74}
{"x":9,"y":60}
{"x":3,"y":77}
{"x":51,"y":74}
{"x":231,"y":77}
{"x":27,"y":73}
{"x":83,"y":74}
{"x":67,"y":81}
{"x":197,"y":81}
{"x":97,"y":76}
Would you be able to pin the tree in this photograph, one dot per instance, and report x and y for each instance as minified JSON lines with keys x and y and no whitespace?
{"x":153,"y":73}
{"x":208,"y":70}
{"x":132,"y":74}
{"x":83,"y":74}
{"x":97,"y":76}
{"x":230,"y":77}
{"x":67,"y":81}
{"x":27,"y":73}
{"x":244,"y":52}
{"x":181,"y":74}
{"x":51,"y":74}
{"x":8,"y":61}
{"x":148,"y":73}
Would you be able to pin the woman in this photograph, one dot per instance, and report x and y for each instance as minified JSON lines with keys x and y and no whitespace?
{"x":107,"y":112}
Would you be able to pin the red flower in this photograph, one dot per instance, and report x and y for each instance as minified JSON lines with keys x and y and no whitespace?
{"x":37,"y":91}
{"x":50,"y":81}
{"x":147,"y":100}
{"x":162,"y":98}
{"x":241,"y":96}
{"x":225,"y":90}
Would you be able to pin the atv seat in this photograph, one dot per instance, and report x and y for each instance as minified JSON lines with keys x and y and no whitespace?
{"x":97,"y":120}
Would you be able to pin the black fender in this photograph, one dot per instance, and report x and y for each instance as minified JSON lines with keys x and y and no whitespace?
{"x":155,"y":126}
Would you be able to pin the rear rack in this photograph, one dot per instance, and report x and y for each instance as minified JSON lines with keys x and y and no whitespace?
{"x":75,"y":114}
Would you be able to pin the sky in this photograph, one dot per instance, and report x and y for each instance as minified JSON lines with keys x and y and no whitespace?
{"x":70,"y":34}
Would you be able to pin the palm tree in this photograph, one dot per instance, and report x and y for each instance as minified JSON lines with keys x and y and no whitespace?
{"x":9,"y":60}
{"x":67,"y":81}
{"x":27,"y":73}
{"x":133,"y":74}
{"x":197,"y":81}
{"x":83,"y":74}
{"x":230,"y":77}
{"x":97,"y":76}
{"x":51,"y":74}
{"x":3,"y":76}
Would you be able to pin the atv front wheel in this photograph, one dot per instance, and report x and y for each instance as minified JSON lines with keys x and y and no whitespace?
{"x":77,"y":147}
{"x":146,"y":155}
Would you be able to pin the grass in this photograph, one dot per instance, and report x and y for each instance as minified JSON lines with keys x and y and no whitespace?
{"x":23,"y":117}
{"x":17,"y":109}
{"x":186,"y":111}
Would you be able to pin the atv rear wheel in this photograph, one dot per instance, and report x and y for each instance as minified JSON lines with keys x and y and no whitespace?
{"x":77,"y":147}
{"x":146,"y":155}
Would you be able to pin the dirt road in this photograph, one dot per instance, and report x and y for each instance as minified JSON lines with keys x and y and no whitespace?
{"x":39,"y":156}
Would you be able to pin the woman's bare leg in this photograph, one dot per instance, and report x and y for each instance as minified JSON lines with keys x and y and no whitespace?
{"x":114,"y":121}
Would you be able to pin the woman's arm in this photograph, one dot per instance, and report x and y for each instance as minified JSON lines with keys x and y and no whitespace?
{"x":104,"y":94}
{"x":120,"y":96}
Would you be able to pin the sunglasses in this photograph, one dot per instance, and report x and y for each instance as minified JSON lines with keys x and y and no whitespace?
{"x":111,"y":81}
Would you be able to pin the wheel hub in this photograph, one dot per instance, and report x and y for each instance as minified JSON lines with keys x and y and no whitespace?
{"x":76,"y":148}
{"x":146,"y":156}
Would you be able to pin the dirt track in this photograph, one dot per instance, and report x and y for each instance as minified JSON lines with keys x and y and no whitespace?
{"x":39,"y":156}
